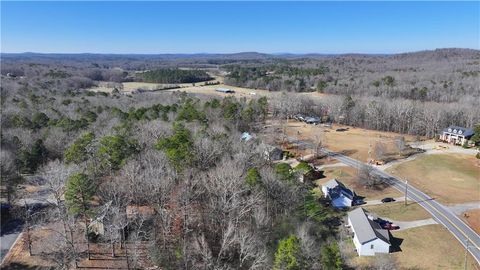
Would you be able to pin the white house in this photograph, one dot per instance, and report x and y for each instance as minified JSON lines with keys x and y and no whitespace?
{"x":456,"y":135}
{"x":369,"y":238}
{"x":340,"y":195}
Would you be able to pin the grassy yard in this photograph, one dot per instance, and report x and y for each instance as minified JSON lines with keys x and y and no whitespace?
{"x":421,"y":249}
{"x":449,"y":178}
{"x":398,"y":211}
{"x":346,"y":175}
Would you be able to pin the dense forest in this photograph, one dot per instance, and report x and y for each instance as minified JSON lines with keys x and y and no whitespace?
{"x":446,"y":75}
{"x":217,"y":201}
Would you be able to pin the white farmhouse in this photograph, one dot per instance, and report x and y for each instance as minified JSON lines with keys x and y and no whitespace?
{"x":369,"y":238}
{"x":340,"y":195}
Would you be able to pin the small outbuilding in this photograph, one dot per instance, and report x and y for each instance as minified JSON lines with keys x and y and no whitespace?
{"x":368,"y":237}
{"x":456,"y":135}
{"x":246,"y":136}
{"x":225,"y":90}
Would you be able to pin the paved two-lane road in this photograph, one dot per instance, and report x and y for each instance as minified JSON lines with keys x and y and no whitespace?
{"x":440,"y":213}
{"x":467,"y":237}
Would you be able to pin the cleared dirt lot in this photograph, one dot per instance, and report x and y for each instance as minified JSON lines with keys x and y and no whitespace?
{"x":449,"y":178}
{"x":346,"y":175}
{"x":354,"y":142}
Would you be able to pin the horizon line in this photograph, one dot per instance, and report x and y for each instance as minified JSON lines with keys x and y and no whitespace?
{"x":240,"y":52}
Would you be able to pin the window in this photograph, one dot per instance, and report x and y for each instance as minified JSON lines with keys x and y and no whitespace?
{"x":371,"y":246}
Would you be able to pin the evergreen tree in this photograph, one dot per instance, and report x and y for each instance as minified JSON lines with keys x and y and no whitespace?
{"x":289,"y":255}
{"x":331,"y":258}
{"x":177,"y":147}
{"x":253,"y":177}
{"x":78,"y":151}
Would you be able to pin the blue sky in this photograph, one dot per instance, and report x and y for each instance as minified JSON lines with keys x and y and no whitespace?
{"x":225,"y":27}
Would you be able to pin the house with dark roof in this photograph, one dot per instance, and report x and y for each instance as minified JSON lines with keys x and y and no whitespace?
{"x":456,"y":135}
{"x":338,"y":193}
{"x":369,"y":238}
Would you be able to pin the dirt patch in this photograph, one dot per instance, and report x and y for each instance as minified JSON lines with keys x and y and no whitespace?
{"x":472,"y":217}
{"x":19,"y":257}
{"x":449,"y":178}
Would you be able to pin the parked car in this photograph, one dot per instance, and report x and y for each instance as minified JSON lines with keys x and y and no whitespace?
{"x":299,"y":117}
{"x":312,"y":120}
{"x":387,"y":200}
{"x":387,"y":225}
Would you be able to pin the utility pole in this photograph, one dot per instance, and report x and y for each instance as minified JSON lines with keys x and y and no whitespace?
{"x":406,"y":191}
{"x":466,"y":253}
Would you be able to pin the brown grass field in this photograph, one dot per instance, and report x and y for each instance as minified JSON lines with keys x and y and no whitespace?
{"x":473,"y":219}
{"x":449,"y":178}
{"x":346,"y":175}
{"x":399,"y":211}
{"x":421,"y":249}
{"x":355,"y":142}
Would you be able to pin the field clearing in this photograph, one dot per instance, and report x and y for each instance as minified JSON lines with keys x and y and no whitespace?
{"x":473,"y":219}
{"x":449,"y":178}
{"x":239,"y":91}
{"x":399,"y":211}
{"x":129,"y":87}
{"x":354,"y":142}
{"x":346,"y":175}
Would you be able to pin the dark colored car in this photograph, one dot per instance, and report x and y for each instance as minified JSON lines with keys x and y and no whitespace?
{"x":388,"y":199}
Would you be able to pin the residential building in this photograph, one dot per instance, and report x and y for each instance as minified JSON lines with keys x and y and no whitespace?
{"x":456,"y":135}
{"x":368,"y":237}
{"x":340,"y":195}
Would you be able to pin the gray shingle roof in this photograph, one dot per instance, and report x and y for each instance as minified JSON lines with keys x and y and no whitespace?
{"x":467,"y":132}
{"x":366,"y":229}
{"x":332,"y":184}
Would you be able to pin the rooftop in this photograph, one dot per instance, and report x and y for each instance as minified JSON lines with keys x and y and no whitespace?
{"x":459,"y":130}
{"x":365,"y":228}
